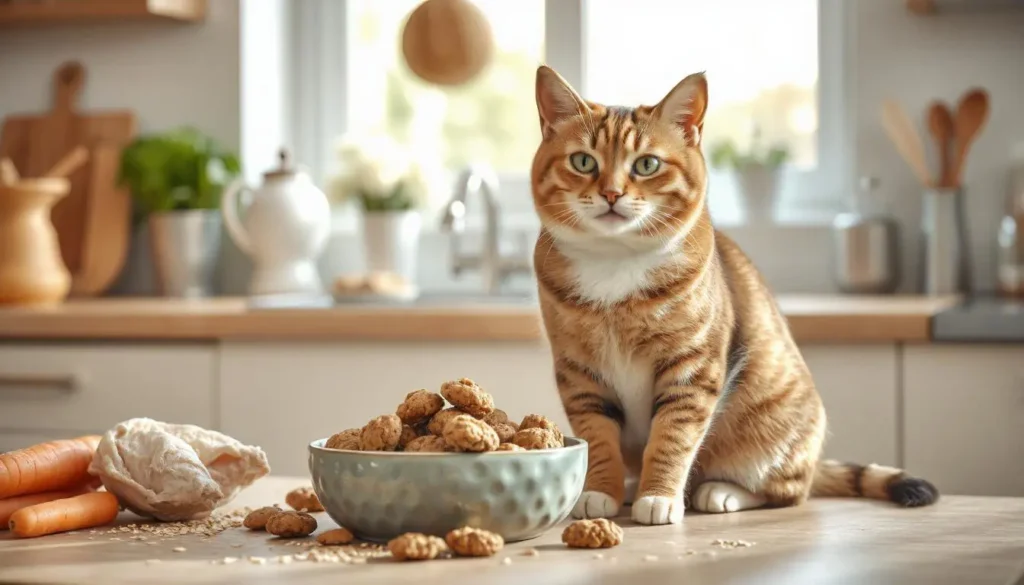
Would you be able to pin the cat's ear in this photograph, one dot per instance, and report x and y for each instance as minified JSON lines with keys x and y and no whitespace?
{"x":685,"y":105}
{"x":556,"y":99}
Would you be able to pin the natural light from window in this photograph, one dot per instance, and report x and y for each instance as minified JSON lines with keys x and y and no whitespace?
{"x":493,"y":119}
{"x":762,"y":67}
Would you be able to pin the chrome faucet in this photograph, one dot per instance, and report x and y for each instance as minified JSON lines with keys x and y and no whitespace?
{"x":493,"y":266}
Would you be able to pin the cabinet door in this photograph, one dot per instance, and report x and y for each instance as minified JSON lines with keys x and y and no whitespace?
{"x":964,"y":408}
{"x":282,"y":396}
{"x":90,"y":387}
{"x":857,"y":384}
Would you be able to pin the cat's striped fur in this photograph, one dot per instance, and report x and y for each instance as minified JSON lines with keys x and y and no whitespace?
{"x":671,"y":357}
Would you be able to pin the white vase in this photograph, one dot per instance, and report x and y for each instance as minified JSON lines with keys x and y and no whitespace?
{"x":758,"y":186}
{"x":391,"y":242}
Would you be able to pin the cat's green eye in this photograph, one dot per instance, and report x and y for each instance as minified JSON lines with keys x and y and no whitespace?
{"x":583,"y":163}
{"x":646,"y":166}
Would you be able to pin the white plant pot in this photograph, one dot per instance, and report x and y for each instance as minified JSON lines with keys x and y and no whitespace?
{"x":758,"y":187}
{"x":391,"y":242}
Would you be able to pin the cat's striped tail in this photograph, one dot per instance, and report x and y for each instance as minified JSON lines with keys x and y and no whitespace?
{"x":851,"y":480}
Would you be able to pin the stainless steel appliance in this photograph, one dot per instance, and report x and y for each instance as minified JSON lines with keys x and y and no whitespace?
{"x":981,"y":319}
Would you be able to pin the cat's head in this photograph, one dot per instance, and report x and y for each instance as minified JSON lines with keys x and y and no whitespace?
{"x":634,"y":174}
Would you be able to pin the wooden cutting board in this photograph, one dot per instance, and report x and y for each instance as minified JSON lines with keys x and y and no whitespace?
{"x":94,"y":222}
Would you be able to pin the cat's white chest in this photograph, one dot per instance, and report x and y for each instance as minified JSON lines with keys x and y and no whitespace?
{"x":631,"y":378}
{"x":606,"y":281}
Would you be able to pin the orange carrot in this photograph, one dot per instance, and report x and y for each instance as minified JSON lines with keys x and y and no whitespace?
{"x":47,"y":467}
{"x":12,"y":505}
{"x":84,"y":511}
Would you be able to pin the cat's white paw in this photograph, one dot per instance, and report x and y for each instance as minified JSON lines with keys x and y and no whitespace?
{"x":717,"y":497}
{"x":653,"y":510}
{"x":595,"y":505}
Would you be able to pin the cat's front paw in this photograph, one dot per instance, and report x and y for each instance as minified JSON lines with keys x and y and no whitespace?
{"x":655,"y":510}
{"x":595,"y":505}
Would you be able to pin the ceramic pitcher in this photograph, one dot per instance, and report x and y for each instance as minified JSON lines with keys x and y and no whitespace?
{"x":284,"y":230}
{"x":32,"y":271}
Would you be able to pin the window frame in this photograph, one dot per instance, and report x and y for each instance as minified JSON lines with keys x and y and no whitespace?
{"x":320,"y":35}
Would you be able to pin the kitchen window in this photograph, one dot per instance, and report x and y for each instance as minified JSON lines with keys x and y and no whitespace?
{"x":775,"y":66}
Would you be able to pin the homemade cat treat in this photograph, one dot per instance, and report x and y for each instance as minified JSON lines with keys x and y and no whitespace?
{"x":427,"y":444}
{"x":440,"y":420}
{"x":413,"y":546}
{"x":471,"y":424}
{"x":347,"y":439}
{"x":336,"y":537}
{"x":257,"y":519}
{"x":536,"y":439}
{"x":304,"y":499}
{"x":467,"y":434}
{"x":381,"y":434}
{"x":465,"y":395}
{"x":419,"y":406}
{"x":474,"y":542}
{"x":291,"y":524}
{"x":174,"y":472}
{"x":599,"y":533}
{"x":536,"y":421}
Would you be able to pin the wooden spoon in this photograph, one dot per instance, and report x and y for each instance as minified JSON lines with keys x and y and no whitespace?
{"x":940,"y":124}
{"x":8,"y":172}
{"x":971,"y":115}
{"x":903,"y":135}
{"x":69,"y":163}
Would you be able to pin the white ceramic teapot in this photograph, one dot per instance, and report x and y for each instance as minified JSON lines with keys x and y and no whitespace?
{"x":284,"y":230}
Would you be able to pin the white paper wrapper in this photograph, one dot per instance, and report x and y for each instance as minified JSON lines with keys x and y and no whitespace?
{"x":174,"y":472}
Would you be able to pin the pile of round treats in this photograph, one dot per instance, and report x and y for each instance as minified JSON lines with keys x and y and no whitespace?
{"x":425,"y":423}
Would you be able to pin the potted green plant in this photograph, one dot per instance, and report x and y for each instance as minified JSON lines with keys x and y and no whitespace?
{"x":757,"y":173}
{"x":176,"y":179}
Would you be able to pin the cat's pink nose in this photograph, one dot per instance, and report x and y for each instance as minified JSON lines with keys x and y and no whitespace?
{"x":611,"y":196}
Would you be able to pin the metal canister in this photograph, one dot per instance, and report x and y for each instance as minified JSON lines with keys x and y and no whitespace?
{"x":866,"y":253}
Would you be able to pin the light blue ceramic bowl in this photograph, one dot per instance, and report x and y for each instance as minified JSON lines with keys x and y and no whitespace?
{"x":517,"y":494}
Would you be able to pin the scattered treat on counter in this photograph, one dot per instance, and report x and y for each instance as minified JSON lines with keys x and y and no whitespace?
{"x":336,"y":537}
{"x":597,"y":533}
{"x":472,"y":424}
{"x":413,"y":546}
{"x":474,"y":542}
{"x":174,"y":472}
{"x":257,"y":519}
{"x":304,"y":499}
{"x":290,"y":524}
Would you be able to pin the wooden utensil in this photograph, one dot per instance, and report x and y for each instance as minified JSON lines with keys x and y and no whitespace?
{"x":96,"y":213}
{"x":905,"y":138}
{"x":8,"y":172}
{"x":940,"y":124}
{"x":971,"y":115}
{"x":69,"y":163}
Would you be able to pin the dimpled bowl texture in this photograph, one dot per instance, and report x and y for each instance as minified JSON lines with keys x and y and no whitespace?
{"x":517,"y":494}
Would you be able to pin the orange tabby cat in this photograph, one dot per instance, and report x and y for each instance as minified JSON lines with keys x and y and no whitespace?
{"x":671,"y":356}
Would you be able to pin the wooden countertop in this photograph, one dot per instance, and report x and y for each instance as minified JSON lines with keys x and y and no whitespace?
{"x":824,"y":319}
{"x":959,"y":540}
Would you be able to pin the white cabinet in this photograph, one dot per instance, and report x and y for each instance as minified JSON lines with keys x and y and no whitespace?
{"x":281,"y":396}
{"x":858,"y":385}
{"x":54,"y":390}
{"x":964,"y":426}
